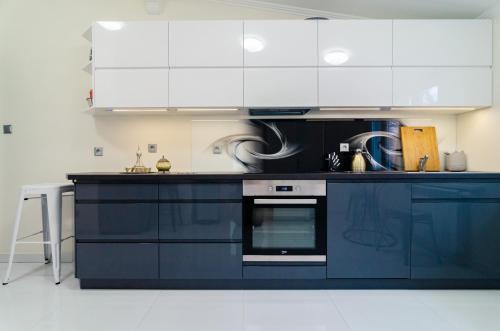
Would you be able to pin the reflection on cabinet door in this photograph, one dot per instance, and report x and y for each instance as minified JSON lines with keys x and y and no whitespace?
{"x":456,"y":240}
{"x":206,"y":43}
{"x":355,"y":87}
{"x":280,"y":43}
{"x":115,"y":88}
{"x":369,"y":230}
{"x":442,"y":87}
{"x":355,"y":43}
{"x":443,"y":42}
{"x":206,"y":87}
{"x":281,"y":87}
{"x":200,"y":261}
{"x":130,"y":44}
{"x":116,"y":221}
{"x":200,"y":221}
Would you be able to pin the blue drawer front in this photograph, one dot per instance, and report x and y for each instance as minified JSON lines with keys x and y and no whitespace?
{"x":200,"y":221}
{"x":284,"y":272}
{"x":116,"y":261}
{"x":116,"y":192}
{"x":456,"y":191}
{"x":200,"y":261}
{"x":116,"y":221}
{"x":201,"y":191}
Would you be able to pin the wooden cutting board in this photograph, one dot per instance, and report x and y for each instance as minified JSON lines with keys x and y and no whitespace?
{"x":416,"y":142}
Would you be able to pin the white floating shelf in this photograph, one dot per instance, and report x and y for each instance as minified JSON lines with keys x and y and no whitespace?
{"x":88,"y":68}
{"x":88,"y":34}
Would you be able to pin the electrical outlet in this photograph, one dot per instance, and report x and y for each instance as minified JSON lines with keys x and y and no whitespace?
{"x":217,"y":149}
{"x":344,"y":147}
{"x":98,"y":151}
{"x":7,"y":129}
{"x":152,"y":148}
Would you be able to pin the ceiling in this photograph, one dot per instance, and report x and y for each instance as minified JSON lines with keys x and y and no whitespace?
{"x":395,"y":8}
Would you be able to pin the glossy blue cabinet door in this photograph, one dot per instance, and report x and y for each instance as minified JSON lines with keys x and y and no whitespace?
{"x":368,"y":230}
{"x":116,"y":261}
{"x":116,"y":221}
{"x":207,"y":191}
{"x":456,"y":239}
{"x":200,"y":221}
{"x":200,"y":261}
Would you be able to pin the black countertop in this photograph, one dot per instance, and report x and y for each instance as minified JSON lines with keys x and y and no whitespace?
{"x":216,"y":176}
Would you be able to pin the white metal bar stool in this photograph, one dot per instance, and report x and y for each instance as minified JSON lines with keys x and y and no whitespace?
{"x":51,"y":198}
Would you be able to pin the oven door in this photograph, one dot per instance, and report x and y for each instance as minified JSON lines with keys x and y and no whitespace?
{"x":284,"y":229}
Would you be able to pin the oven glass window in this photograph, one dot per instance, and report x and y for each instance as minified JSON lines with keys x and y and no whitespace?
{"x":283,"y":228}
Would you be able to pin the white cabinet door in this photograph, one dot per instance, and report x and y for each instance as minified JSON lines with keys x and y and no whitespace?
{"x":206,"y":87}
{"x":281,"y":87}
{"x":130,"y":44}
{"x":206,"y":43}
{"x":117,"y":88}
{"x":280,"y":43}
{"x":442,"y":87}
{"x":442,"y":43}
{"x":355,"y":87}
{"x":355,"y":43}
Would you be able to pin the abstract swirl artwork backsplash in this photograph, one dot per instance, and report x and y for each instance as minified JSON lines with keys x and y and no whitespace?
{"x":280,"y":146}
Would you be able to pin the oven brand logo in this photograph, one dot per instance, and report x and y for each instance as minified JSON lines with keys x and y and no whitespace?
{"x":284,"y":252}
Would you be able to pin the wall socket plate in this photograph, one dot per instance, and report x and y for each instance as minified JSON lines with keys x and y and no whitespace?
{"x":344,"y":147}
{"x":7,"y":129}
{"x":217,"y":149}
{"x":152,"y":148}
{"x":98,"y":151}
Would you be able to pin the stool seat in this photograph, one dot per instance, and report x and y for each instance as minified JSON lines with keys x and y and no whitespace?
{"x":50,"y":195}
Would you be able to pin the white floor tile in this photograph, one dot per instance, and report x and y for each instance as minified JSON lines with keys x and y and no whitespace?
{"x":386,"y":311}
{"x":32,"y":302}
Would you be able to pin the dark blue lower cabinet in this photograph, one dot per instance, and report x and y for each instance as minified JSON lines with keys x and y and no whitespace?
{"x":456,"y":240}
{"x":368,"y":230}
{"x":284,"y":272}
{"x":116,"y":261}
{"x":200,"y":221}
{"x":116,"y":221}
{"x":200,"y":261}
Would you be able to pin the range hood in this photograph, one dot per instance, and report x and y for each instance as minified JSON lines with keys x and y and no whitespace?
{"x":277,"y":111}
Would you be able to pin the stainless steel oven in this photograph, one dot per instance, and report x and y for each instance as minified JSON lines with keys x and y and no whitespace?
{"x":284,"y":221}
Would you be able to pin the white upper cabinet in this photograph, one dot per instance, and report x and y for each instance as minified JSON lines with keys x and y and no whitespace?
{"x":280,"y":43}
{"x":130,"y":44}
{"x":206,"y":87}
{"x":442,"y":87}
{"x":206,"y":43}
{"x":127,"y":88}
{"x":355,"y":43}
{"x":355,"y":87}
{"x":442,"y":43}
{"x":281,"y":87}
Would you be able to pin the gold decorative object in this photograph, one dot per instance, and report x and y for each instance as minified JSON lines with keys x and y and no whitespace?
{"x":138,"y":168}
{"x":358,"y":162}
{"x":163,"y":165}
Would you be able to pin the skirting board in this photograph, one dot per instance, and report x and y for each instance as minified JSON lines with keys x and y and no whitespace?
{"x":33,"y":258}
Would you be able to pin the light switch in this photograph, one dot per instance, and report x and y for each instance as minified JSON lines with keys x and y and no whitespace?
{"x":98,"y":151}
{"x":152,"y":148}
{"x":7,"y":129}
{"x":344,"y":147}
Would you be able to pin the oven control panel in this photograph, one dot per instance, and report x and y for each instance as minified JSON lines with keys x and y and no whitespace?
{"x":284,"y":187}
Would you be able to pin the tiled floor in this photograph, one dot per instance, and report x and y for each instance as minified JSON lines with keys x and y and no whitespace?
{"x":32,"y":302}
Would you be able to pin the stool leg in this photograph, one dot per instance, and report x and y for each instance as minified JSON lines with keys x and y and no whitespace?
{"x":54,"y":213}
{"x":45,"y":226}
{"x":15,"y":233}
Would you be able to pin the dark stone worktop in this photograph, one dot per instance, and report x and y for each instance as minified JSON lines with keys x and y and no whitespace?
{"x":215,"y":176}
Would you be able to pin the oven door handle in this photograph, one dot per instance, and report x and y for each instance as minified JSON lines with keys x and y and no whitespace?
{"x":285,"y":201}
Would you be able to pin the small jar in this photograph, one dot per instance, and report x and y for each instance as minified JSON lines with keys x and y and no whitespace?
{"x":163,"y":165}
{"x":358,"y":162}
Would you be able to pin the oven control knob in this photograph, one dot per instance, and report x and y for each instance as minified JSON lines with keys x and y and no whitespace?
{"x":270,"y":188}
{"x":297,"y":188}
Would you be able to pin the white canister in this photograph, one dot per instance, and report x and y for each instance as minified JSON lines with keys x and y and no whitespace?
{"x":456,"y":161}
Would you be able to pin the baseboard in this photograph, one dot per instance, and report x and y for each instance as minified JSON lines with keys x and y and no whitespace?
{"x":34,"y":258}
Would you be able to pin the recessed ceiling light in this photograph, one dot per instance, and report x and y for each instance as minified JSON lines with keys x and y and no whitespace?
{"x":253,"y":44}
{"x":336,"y":57}
{"x":111,"y":25}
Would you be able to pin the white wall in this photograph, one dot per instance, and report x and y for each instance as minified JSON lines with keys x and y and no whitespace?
{"x":43,"y":96}
{"x":478,"y":132}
